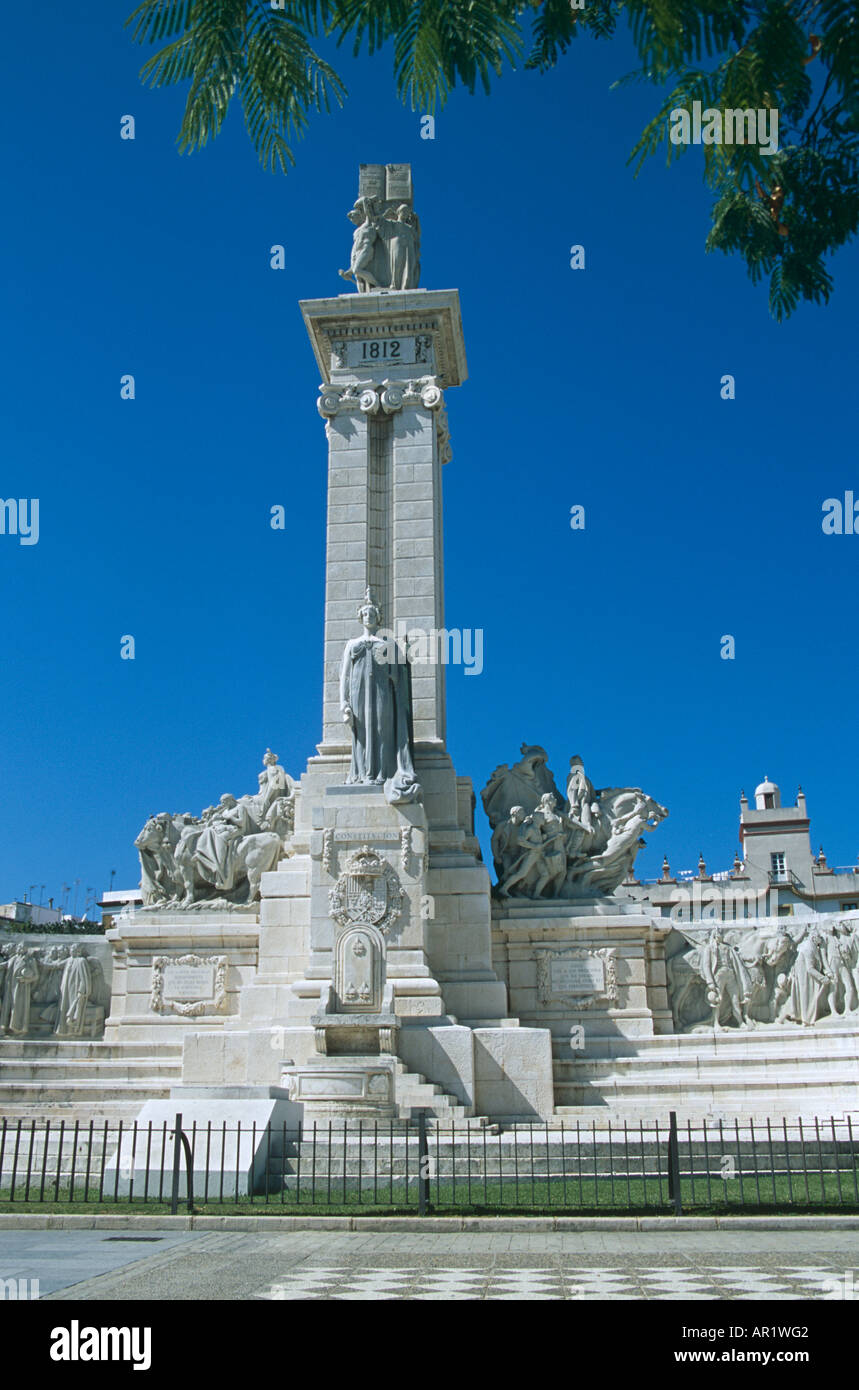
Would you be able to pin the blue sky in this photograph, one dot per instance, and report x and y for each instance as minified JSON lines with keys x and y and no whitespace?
{"x":599,"y":387}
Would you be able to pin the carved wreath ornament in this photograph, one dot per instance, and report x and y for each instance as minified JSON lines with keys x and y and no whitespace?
{"x":583,"y":999}
{"x":189,"y":1008}
{"x":367,"y":890}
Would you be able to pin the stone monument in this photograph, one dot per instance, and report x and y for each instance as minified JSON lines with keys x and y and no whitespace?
{"x":574,"y":958}
{"x":331,"y":937}
{"x":332,"y":946}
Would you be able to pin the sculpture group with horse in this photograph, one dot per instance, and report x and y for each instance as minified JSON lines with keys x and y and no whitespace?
{"x":219,"y":857}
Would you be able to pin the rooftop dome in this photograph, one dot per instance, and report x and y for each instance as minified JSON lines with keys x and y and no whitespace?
{"x":767,"y":795}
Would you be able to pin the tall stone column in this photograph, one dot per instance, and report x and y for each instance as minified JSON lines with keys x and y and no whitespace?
{"x":386,"y":360}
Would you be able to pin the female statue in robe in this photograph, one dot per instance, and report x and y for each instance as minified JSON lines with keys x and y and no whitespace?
{"x":375,"y":701}
{"x":581,"y":797}
{"x":402,"y":234}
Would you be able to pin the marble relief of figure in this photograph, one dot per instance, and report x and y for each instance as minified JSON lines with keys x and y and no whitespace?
{"x":809,"y":980}
{"x":76,"y":989}
{"x":851,"y":957}
{"x":51,"y":989}
{"x":7,"y":950}
{"x":841,"y":991}
{"x":766,"y":975}
{"x":22,"y":975}
{"x":5,"y":955}
{"x":767,"y":960}
{"x":375,"y":701}
{"x":46,"y":990}
{"x":726,"y":976}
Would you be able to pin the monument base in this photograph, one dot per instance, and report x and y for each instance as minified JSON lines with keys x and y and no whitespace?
{"x":345,"y":1087}
{"x":577,"y":971}
{"x":177,"y":971}
{"x":237,"y":1138}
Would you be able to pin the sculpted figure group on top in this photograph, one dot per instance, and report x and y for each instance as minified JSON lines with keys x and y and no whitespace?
{"x":545,"y":846}
{"x":218,"y":858}
{"x":386,"y":246}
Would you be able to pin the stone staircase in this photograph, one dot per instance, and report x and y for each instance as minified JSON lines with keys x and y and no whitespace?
{"x":784,"y":1073}
{"x":84,"y":1081}
{"x":414,"y":1092}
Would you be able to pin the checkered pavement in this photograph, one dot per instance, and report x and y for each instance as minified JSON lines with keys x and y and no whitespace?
{"x":737,"y":1282}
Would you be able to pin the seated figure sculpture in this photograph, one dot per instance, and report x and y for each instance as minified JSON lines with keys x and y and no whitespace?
{"x":219,"y":857}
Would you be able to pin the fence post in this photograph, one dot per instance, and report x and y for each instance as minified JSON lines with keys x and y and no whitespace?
{"x":674,"y":1164}
{"x":423,"y":1164}
{"x":177,"y":1155}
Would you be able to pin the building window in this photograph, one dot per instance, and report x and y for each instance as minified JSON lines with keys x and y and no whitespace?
{"x":786,"y":911}
{"x":769,"y":801}
{"x":779,"y":868}
{"x":849,"y":907}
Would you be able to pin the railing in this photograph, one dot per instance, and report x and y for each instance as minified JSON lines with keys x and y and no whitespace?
{"x":787,"y":879}
{"x":415,"y":1166}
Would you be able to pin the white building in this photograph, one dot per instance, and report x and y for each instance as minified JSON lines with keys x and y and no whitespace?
{"x":777,"y":873}
{"x":30,"y":912}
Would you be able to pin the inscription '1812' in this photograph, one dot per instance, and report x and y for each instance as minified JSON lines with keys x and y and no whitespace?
{"x":381,"y":348}
{"x":367,"y":352}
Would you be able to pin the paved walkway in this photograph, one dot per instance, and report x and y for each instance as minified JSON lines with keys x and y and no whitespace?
{"x":414,"y":1264}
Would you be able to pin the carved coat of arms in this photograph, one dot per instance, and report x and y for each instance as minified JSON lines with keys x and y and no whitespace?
{"x":367,"y":890}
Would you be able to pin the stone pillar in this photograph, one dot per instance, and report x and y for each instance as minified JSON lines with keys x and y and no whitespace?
{"x":386,"y":360}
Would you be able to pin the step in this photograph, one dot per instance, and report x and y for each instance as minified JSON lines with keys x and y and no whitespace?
{"x":66,"y":1048}
{"x":46,"y":1072}
{"x":737,"y":1043}
{"x":18,"y":1092}
{"x":414,"y":1092}
{"x":691,"y":1061}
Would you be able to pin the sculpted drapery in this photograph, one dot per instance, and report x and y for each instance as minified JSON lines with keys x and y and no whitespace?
{"x":545,"y":846}
{"x":375,"y":700}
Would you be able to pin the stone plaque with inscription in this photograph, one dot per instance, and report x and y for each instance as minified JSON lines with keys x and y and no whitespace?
{"x":189,"y":985}
{"x":189,"y":981}
{"x":579,"y":976}
{"x":371,"y":181}
{"x":398,"y":182}
{"x":572,"y":976}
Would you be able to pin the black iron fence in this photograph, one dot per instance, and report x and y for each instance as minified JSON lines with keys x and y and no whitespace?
{"x":418,"y":1166}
